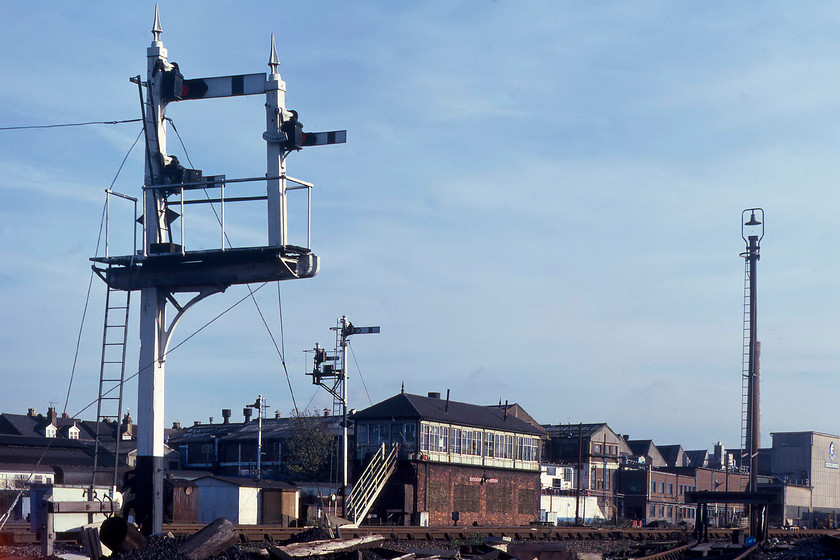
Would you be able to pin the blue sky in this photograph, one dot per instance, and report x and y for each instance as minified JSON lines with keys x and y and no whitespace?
{"x":538,"y":202}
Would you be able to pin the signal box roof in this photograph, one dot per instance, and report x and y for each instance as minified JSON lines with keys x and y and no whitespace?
{"x":405,"y":406}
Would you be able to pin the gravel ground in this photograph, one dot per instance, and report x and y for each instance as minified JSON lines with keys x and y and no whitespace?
{"x":163,"y":548}
{"x":33,"y":551}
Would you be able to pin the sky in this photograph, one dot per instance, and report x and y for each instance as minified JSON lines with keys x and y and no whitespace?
{"x":538,"y":202}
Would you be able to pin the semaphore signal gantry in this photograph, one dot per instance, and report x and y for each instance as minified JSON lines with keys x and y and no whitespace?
{"x":163,"y":266}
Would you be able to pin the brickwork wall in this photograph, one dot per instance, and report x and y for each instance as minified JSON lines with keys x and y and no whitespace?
{"x":479,"y":495}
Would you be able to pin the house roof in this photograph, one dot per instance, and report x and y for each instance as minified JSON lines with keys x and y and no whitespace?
{"x":574,"y":430}
{"x":415,"y":407}
{"x":672,"y":454}
{"x":18,"y":467}
{"x":201,"y":432}
{"x":31,"y":450}
{"x":699,"y":457}
{"x":518,"y":412}
{"x":272,"y":428}
{"x":646,"y":448}
{"x":276,"y":428}
{"x":34,"y":425}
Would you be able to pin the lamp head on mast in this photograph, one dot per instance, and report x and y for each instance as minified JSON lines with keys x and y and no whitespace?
{"x":752,"y":226}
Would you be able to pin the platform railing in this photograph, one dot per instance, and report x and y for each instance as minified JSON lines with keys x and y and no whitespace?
{"x":178,"y":198}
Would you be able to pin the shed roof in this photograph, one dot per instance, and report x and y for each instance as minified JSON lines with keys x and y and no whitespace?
{"x":248,"y":482}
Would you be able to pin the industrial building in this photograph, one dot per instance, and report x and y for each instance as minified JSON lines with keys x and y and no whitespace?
{"x":807,"y":463}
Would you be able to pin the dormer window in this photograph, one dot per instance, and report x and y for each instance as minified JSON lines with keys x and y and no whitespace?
{"x":50,"y":431}
{"x":73,"y":432}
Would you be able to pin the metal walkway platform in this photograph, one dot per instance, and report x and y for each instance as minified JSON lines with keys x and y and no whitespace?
{"x":184,"y":272}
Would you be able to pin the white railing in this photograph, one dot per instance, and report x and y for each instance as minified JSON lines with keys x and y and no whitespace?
{"x":371,"y":482}
{"x":215,"y":188}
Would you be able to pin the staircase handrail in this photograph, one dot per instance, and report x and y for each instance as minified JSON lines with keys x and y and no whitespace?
{"x":371,"y":482}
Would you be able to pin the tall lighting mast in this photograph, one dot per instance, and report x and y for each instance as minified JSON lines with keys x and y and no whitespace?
{"x":752,"y":232}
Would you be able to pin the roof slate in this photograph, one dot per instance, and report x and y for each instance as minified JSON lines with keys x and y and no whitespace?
{"x":573,"y":430}
{"x":415,"y":407}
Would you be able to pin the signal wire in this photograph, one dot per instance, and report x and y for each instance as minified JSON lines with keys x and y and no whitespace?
{"x":7,"y":514}
{"x":207,"y":324}
{"x":281,"y":351}
{"x":353,"y":354}
{"x":90,"y":282}
{"x":36,"y":126}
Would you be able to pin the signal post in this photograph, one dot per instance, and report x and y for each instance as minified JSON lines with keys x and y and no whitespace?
{"x":165,"y":271}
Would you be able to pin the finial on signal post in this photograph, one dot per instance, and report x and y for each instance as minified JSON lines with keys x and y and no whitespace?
{"x":273,"y":61}
{"x":156,"y":30}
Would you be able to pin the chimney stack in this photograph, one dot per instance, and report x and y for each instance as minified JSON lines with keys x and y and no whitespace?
{"x":434,"y":395}
{"x":225,"y":416}
{"x":31,"y":412}
{"x":51,"y":415}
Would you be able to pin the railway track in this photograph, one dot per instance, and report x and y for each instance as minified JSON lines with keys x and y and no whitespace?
{"x":17,"y":533}
{"x":256,"y":533}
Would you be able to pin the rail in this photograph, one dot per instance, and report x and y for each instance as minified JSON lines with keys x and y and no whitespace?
{"x":18,"y":532}
{"x":523,"y":533}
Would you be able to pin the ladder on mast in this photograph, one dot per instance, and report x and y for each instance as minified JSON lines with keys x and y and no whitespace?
{"x":111,"y":380}
{"x":744,"y":461}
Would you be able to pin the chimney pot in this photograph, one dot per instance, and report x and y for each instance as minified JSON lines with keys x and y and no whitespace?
{"x":225,"y":416}
{"x":31,"y":412}
{"x":247,"y":413}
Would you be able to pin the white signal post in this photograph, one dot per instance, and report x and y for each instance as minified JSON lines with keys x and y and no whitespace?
{"x":275,"y":106}
{"x":163,"y":269}
{"x":150,"y":397}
